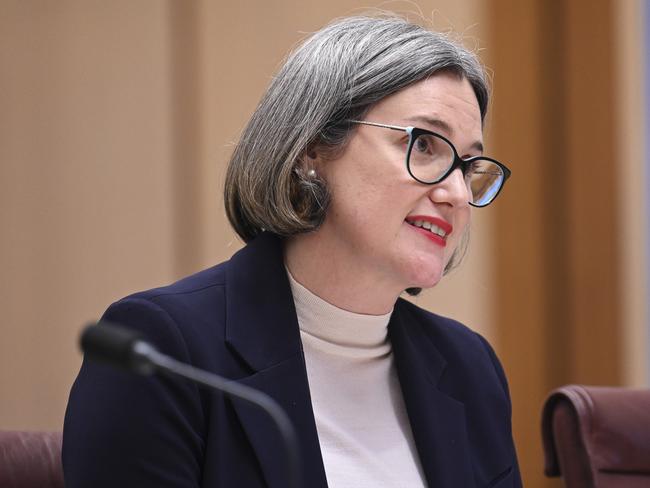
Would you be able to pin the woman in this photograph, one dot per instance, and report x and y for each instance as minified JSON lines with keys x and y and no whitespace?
{"x":353,"y":182}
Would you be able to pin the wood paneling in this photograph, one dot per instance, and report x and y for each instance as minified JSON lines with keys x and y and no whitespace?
{"x":592,"y":202}
{"x":524,"y":291}
{"x":559,"y":288}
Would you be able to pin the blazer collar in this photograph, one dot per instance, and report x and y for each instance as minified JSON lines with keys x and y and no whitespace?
{"x":261,"y":324}
{"x":262,"y":329}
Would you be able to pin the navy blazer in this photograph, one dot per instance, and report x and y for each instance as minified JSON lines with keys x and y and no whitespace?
{"x":238,"y":320}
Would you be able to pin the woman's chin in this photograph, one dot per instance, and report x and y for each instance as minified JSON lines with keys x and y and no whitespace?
{"x":426,"y":279}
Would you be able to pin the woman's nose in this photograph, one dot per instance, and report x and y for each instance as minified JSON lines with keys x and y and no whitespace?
{"x":452,"y":190}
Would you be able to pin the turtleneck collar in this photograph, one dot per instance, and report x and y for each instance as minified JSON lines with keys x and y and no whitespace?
{"x":339,"y":331}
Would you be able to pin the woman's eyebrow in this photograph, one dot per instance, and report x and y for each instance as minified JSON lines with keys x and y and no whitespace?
{"x":444,"y":126}
{"x":432,"y":121}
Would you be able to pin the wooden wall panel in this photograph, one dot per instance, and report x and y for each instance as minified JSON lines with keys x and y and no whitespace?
{"x":592,"y":202}
{"x":558,"y":233}
{"x":632,"y":167}
{"x":519,"y":134}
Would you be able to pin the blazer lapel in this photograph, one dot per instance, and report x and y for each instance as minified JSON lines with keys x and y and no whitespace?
{"x":437,"y":420}
{"x":262,"y":329}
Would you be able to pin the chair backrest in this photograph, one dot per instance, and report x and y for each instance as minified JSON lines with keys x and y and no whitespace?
{"x":598,"y":437}
{"x":30,"y":460}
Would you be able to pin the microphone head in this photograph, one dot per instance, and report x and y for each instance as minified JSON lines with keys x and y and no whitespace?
{"x":114,"y":344}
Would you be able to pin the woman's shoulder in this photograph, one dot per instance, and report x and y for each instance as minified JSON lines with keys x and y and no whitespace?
{"x":206,"y":281}
{"x":180,"y":318}
{"x":149,"y":421}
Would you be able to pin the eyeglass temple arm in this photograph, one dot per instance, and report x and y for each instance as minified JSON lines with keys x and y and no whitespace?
{"x":377,"y":124}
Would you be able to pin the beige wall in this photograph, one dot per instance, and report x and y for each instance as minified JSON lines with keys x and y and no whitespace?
{"x":86,"y":190}
{"x":116,"y":122}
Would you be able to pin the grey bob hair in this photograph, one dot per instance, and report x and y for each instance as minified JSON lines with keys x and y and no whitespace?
{"x":335,"y":76}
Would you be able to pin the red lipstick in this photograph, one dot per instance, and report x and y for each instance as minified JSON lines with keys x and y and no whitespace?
{"x":438,"y":222}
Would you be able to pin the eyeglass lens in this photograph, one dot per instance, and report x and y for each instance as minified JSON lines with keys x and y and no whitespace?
{"x":431,"y":157}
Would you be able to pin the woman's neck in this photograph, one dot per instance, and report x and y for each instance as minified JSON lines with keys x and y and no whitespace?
{"x":338,"y":278}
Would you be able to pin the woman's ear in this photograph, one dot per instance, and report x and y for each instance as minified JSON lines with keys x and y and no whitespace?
{"x":310,"y":162}
{"x":310,"y":196}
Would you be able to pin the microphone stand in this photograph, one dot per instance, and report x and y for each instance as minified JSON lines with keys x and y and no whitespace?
{"x":123,"y":347}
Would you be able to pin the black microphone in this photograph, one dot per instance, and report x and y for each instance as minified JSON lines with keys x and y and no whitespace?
{"x":122,"y":347}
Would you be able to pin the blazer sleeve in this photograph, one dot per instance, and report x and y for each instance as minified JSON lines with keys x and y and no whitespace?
{"x":516,"y":475}
{"x":126,"y":430}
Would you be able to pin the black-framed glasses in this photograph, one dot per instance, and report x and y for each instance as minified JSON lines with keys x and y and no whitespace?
{"x":431,"y":157}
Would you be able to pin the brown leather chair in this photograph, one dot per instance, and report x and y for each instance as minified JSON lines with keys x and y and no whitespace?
{"x":30,"y":460}
{"x":597,"y":437}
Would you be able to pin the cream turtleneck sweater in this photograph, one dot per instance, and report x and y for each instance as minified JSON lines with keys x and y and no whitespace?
{"x":361,"y":419}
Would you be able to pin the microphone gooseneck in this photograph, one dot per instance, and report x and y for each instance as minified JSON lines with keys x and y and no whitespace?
{"x":125,"y":348}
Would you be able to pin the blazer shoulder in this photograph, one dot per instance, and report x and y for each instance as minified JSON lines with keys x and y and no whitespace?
{"x":213,"y":277}
{"x":189,"y":313}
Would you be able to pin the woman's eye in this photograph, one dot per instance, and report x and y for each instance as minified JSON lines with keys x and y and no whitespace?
{"x":422,"y":145}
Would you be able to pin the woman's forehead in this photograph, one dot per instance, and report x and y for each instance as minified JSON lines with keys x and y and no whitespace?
{"x":436,"y":94}
{"x":444,"y":103}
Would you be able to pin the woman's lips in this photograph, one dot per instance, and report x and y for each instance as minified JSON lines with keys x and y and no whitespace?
{"x":433,"y":228}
